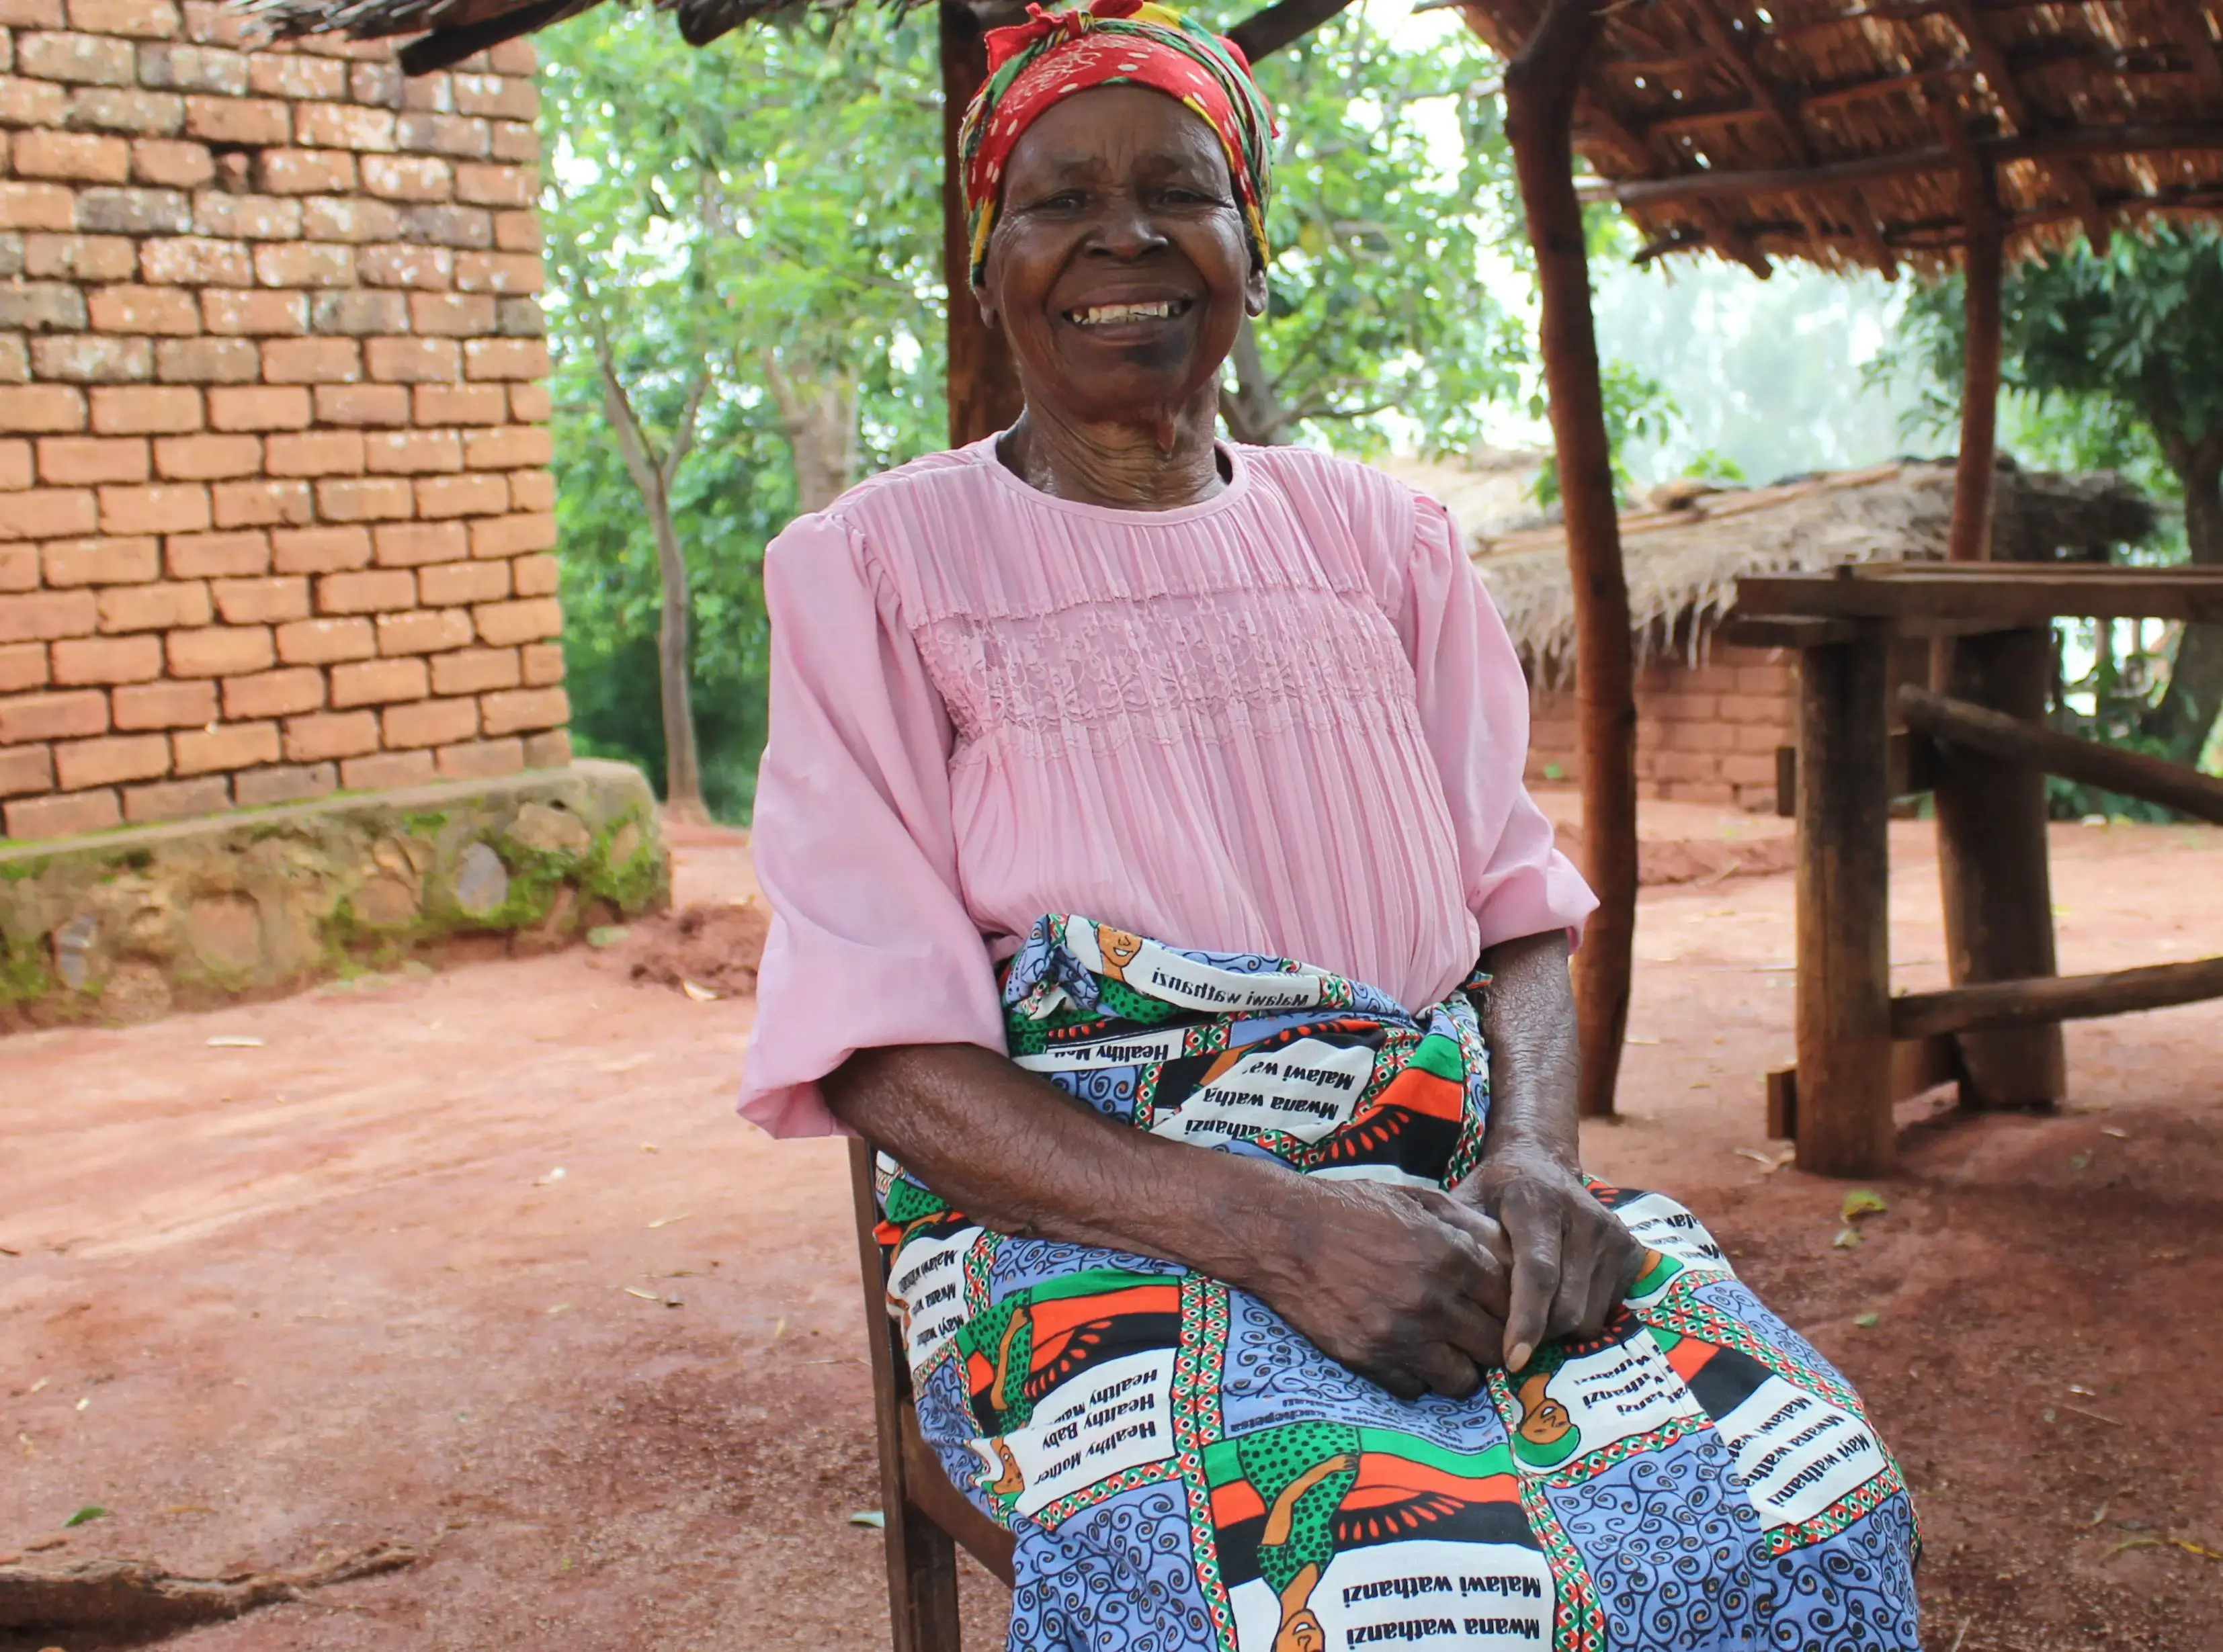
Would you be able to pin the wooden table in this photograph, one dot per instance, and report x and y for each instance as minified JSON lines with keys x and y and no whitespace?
{"x":1997,"y":1030}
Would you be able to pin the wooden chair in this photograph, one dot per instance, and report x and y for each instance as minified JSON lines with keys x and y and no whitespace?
{"x":926,"y":1517}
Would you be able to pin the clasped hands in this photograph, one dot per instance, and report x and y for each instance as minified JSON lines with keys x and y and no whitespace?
{"x":1423,"y":1290}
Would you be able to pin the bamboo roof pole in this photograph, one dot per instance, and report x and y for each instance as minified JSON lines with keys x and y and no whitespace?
{"x":1541,"y":82}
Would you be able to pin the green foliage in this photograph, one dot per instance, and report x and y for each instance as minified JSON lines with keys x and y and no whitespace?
{"x":1638,"y":408}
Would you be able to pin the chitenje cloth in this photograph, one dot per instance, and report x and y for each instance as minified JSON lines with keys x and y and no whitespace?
{"x":1184,"y":1473}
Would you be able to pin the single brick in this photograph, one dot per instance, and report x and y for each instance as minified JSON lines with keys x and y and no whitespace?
{"x":448,"y":315}
{"x":254,"y":312}
{"x":263,"y":504}
{"x":322,"y":736}
{"x":260,"y":407}
{"x":455,"y":404}
{"x":15,"y":360}
{"x":531,"y":490}
{"x":480,"y":759}
{"x":102,"y":561}
{"x":155,"y":607}
{"x":246,"y":217}
{"x":475,"y":670}
{"x":320,"y":550}
{"x":78,"y":58}
{"x":208,"y":361}
{"x":380,"y":683}
{"x":517,"y":57}
{"x":215,"y":555}
{"x":521,"y":318}
{"x":535,"y":576}
{"x":432,"y":223}
{"x":515,"y":711}
{"x":81,"y":460}
{"x":304,"y":172}
{"x":162,"y":705}
{"x":311,"y":360}
{"x":509,"y":97}
{"x":284,"y":784}
{"x":22,"y":665}
{"x":93,"y":358}
{"x":176,"y":800}
{"x":351,"y":218}
{"x":171,"y":163}
{"x":79,"y":258}
{"x":543,"y":663}
{"x":424,"y":630}
{"x":304,"y":263}
{"x":377,"y":406}
{"x":50,"y":513}
{"x":408,"y":178}
{"x":508,"y":447}
{"x":414,"y":453}
{"x":134,"y":211}
{"x":257,"y":123}
{"x":227,"y":745}
{"x":439,"y":498}
{"x":17,"y":468}
{"x":464,"y":137}
{"x":272,"y":75}
{"x":42,"y":307}
{"x":19,"y":568}
{"x":480,"y":183}
{"x":500,"y":272}
{"x":68,"y":715}
{"x":111,"y":758}
{"x":129,"y":113}
{"x":549,"y":750}
{"x":358,"y":312}
{"x":63,"y":817}
{"x":207,"y":458}
{"x":72,"y":157}
{"x":513,"y":535}
{"x":376,"y":82}
{"x":220,"y":651}
{"x":530,"y":403}
{"x":85,"y":662}
{"x":529,"y":620}
{"x":377,"y":498}
{"x":193,"y":68}
{"x":428,"y":268}
{"x":430,"y":722}
{"x":146,"y":409}
{"x":262,"y":601}
{"x":171,"y":311}
{"x":31,"y":409}
{"x":516,"y":141}
{"x":343,"y":126}
{"x":320,"y":641}
{"x":412,"y":361}
{"x":32,"y":103}
{"x":387,"y":770}
{"x":367,"y":591}
{"x":316,"y":453}
{"x":158,"y":508}
{"x":197,"y":259}
{"x":26,"y":770}
{"x":146,"y":20}
{"x":443,"y":584}
{"x":36,"y":206}
{"x":275,"y":693}
{"x":405,"y":544}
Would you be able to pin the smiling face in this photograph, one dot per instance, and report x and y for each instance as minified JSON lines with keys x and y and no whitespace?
{"x":1119,"y":266}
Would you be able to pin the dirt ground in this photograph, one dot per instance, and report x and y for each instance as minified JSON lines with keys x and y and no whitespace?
{"x":483,"y":1264}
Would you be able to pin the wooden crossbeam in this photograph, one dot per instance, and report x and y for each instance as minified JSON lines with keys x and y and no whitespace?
{"x":2187,"y":22}
{"x":2000,"y":75}
{"x":2054,"y":998}
{"x":2010,"y":739}
{"x":1995,"y":595}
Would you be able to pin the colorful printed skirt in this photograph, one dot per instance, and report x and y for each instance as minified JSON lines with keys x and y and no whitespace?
{"x":1183,"y":1473}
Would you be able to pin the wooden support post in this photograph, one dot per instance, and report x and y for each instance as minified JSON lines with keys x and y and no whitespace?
{"x":1844,"y":1122}
{"x":1970,"y":539}
{"x":1540,"y":85}
{"x":983,"y":384}
{"x":1992,"y":862}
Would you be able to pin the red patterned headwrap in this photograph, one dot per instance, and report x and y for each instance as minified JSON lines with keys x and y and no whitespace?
{"x":1033,"y":65}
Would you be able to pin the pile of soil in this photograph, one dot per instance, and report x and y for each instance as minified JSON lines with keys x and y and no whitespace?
{"x":716,"y":947}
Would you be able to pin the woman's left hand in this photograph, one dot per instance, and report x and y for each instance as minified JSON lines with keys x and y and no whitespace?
{"x":1572,"y":1259}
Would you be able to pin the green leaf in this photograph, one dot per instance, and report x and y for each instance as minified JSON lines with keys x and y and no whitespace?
{"x":1848,"y":1239}
{"x":1867,"y":1321}
{"x":89,"y":1512}
{"x":1861,"y":1201}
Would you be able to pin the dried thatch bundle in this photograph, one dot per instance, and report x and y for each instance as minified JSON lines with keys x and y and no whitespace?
{"x":1683,"y":564}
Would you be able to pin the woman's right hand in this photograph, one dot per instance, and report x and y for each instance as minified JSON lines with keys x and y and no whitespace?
{"x":1408,"y":1287}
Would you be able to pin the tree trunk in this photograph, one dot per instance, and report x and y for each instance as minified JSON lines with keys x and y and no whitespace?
{"x":683,"y":760}
{"x":1252,"y":411}
{"x":2187,"y":710}
{"x":819,"y":420}
{"x":1540,"y":85}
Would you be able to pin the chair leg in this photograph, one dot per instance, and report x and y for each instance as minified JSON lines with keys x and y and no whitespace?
{"x":921,"y":1583}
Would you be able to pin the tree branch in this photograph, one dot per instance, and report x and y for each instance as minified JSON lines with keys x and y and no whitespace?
{"x":1264,"y":32}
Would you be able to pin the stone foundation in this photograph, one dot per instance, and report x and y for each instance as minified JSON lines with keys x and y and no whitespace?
{"x":123,"y":926}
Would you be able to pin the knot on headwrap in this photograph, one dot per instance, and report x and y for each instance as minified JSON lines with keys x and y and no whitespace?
{"x":1034,"y":65}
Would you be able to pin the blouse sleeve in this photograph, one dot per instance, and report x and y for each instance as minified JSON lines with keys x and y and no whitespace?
{"x":1474,"y":710}
{"x":870,"y":942}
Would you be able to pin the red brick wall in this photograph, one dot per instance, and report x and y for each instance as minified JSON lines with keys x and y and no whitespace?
{"x":275,"y":512}
{"x":1705,"y":733}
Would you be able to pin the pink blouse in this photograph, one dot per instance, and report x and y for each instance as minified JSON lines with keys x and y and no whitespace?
{"x":1286,"y":721}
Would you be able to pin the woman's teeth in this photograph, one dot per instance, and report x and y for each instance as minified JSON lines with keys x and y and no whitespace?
{"x":1103,"y":315}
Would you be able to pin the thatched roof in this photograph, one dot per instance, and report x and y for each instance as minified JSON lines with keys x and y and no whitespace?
{"x":1683,"y":563}
{"x":1849,"y":132}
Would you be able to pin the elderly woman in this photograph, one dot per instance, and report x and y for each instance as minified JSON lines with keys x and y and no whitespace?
{"x":1153,"y":884}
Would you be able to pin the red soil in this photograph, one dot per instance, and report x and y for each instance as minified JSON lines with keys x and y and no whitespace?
{"x":265,"y":1302}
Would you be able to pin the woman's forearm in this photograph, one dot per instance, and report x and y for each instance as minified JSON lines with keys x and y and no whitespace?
{"x":1528,"y":1022}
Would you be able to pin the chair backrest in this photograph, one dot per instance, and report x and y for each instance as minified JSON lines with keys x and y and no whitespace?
{"x":925,"y":1516}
